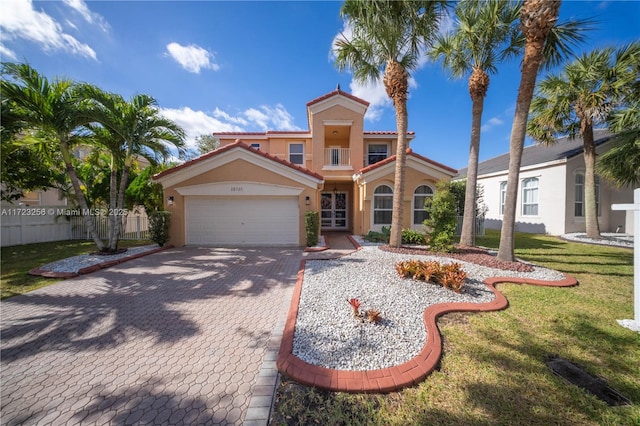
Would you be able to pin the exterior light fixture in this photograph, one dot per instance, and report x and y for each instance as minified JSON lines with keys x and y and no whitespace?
{"x":307,"y":200}
{"x":170,"y":200}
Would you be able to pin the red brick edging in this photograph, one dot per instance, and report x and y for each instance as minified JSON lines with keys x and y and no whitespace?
{"x":96,"y":267}
{"x":393,"y":378}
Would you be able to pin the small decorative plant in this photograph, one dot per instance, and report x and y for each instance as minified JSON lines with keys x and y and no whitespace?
{"x":449,"y":276}
{"x":373,"y":316}
{"x":355,"y":305}
{"x":370,"y":315}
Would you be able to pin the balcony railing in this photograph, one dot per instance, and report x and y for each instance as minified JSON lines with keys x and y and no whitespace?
{"x":336,"y":157}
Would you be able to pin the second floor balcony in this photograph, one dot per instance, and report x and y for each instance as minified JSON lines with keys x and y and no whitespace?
{"x":337,"y":158}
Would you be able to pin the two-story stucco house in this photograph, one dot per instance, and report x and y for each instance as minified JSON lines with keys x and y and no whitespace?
{"x":551,"y":192}
{"x":257,"y":187}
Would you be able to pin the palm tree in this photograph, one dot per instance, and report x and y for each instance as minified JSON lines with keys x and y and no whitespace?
{"x":544,"y":41}
{"x":575,"y":101}
{"x":388,"y":38}
{"x":128,"y":130}
{"x":54,"y":109}
{"x":486,"y":34}
{"x":621,"y":164}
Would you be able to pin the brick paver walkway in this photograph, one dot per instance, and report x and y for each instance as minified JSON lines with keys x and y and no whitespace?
{"x":177,"y":337}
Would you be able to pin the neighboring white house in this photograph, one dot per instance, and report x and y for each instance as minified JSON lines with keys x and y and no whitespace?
{"x":551,"y":189}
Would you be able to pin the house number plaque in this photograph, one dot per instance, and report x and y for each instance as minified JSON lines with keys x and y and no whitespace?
{"x":236,"y":189}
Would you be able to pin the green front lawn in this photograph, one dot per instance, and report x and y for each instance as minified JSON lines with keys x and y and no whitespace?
{"x":493,"y":368}
{"x":16,"y":261}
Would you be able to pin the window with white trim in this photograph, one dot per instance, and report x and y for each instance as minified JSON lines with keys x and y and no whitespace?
{"x":420,"y":195}
{"x":578,"y":205}
{"x":296,"y":153}
{"x":382,"y":205}
{"x":530,"y":197}
{"x":377,"y":152}
{"x":255,"y":145}
{"x":503,"y":195}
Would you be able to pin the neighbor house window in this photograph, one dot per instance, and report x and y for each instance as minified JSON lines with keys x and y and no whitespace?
{"x":530,"y":197}
{"x":255,"y":145}
{"x":420,"y":195}
{"x":382,"y":205}
{"x":377,"y":152}
{"x":503,"y":196}
{"x":296,"y":153}
{"x":578,"y":206}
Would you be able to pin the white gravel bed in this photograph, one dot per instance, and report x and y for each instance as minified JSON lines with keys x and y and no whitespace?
{"x":75,"y":263}
{"x":328,"y":335}
{"x":606,"y":238}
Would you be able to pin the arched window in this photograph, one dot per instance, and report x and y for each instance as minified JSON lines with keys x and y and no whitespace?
{"x":530,"y":197}
{"x":382,"y":205}
{"x":420,"y":195}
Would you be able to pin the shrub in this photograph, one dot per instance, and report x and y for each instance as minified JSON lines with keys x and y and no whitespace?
{"x":409,"y":236}
{"x":379,"y":237}
{"x":159,"y":226}
{"x":442,"y":219}
{"x":311,"y":225}
{"x":449,"y":276}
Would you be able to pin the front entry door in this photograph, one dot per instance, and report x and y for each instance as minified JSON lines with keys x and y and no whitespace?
{"x":333,"y":212}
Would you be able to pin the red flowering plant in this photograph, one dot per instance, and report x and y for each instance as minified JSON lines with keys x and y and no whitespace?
{"x":355,"y":305}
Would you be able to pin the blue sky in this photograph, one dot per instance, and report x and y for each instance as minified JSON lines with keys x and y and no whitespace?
{"x":252,"y":66}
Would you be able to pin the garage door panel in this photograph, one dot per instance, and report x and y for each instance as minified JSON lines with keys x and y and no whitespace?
{"x":242,"y":221}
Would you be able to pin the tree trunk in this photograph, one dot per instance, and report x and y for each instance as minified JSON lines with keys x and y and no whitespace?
{"x":537,"y":17}
{"x":533,"y":58}
{"x":113,"y":184}
{"x":467,"y":237}
{"x":590,"y":204}
{"x":399,"y":178}
{"x":396,"y":84}
{"x":119,"y":212}
{"x":75,"y":182}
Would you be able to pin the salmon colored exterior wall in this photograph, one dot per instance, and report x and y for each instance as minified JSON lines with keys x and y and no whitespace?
{"x":239,"y":171}
{"x":335,"y":120}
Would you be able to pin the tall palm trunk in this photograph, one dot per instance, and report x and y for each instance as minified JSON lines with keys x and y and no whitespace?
{"x":396,"y":82}
{"x":75,"y":182}
{"x":590,"y":205}
{"x":118,"y":212}
{"x":478,"y":86}
{"x":113,"y":183}
{"x":537,"y":18}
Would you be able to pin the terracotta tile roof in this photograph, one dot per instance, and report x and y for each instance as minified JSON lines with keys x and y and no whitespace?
{"x":238,"y":144}
{"x":268,"y":132}
{"x":410,"y":153}
{"x":385,"y":132}
{"x":338,"y":92}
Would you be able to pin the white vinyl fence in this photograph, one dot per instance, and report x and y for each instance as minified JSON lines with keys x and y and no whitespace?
{"x":27,"y":225}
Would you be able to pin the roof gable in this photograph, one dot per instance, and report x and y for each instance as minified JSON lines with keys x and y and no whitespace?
{"x":337,"y":97}
{"x":413,"y":160}
{"x":223,"y":155}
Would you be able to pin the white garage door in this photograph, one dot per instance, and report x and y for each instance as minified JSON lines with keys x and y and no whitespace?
{"x":242,"y":221}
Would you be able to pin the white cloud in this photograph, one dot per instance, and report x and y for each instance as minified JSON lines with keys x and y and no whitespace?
{"x":375,"y":94}
{"x":270,"y":118}
{"x":491,"y":123}
{"x":6,"y":53}
{"x":196,"y":123}
{"x":193,"y":58}
{"x":91,"y":17}
{"x":20,"y":20}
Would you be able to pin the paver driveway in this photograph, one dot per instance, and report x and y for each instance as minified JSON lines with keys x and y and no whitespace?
{"x":177,"y":337}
